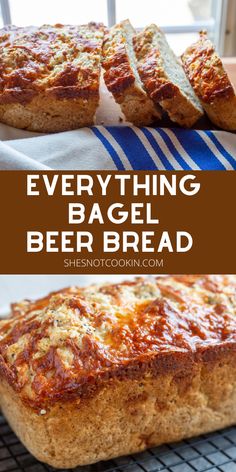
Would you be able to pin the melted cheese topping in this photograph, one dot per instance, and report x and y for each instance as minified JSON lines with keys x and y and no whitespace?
{"x":206,"y":72}
{"x":59,"y":345}
{"x":63,"y":60}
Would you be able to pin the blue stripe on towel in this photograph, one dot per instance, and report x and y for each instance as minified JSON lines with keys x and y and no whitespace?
{"x":196,"y":147}
{"x":230,"y":159}
{"x":117,"y":161}
{"x":144,"y":152}
{"x":166,"y":163}
{"x":173,"y":149}
{"x":132,"y":147}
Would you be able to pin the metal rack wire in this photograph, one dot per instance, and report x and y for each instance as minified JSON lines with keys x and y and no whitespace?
{"x":208,"y":453}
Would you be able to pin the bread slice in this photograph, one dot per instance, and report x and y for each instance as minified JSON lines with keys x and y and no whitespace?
{"x":87,"y":374}
{"x":211,"y":83}
{"x":122,"y":78}
{"x":49,"y":76}
{"x":164,"y":78}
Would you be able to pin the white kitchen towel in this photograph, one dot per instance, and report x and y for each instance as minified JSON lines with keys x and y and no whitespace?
{"x":122,"y":148}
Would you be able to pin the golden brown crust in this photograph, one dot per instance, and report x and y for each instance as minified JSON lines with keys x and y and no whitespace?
{"x":119,"y":74}
{"x":158,"y":83}
{"x":70,"y":344}
{"x":121,"y":77}
{"x":60,"y":61}
{"x":140,"y":364}
{"x":41,"y":68}
{"x":206,"y":72}
{"x":211,"y":83}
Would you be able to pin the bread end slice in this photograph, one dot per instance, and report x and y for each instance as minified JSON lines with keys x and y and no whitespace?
{"x":122,"y":78}
{"x":164,"y":78}
{"x":211,"y":83}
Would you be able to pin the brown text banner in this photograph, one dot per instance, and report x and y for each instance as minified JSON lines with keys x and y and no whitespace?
{"x":109,"y":222}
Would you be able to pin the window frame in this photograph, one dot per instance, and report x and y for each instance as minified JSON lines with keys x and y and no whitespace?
{"x":219,"y":25}
{"x":230,"y":30}
{"x":5,"y":11}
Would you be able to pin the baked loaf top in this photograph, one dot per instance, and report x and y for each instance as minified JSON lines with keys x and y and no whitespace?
{"x":62,"y":61}
{"x":206,"y":72}
{"x":68,"y":344}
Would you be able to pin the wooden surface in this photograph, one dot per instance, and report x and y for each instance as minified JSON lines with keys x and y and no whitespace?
{"x":230,"y":65}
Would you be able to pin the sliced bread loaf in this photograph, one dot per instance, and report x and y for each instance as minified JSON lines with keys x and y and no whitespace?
{"x":211,"y":83}
{"x":122,"y":78}
{"x":164,"y":78}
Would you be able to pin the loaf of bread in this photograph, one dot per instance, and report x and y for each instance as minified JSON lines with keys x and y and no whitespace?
{"x":211,"y":83}
{"x":164,"y":79}
{"x":87,"y":374}
{"x":122,"y":78}
{"x":49,"y":76}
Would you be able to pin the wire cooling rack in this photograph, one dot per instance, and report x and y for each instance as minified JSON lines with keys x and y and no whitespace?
{"x":207,"y":453}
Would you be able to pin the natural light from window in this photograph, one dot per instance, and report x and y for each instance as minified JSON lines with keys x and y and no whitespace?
{"x":181,"y":19}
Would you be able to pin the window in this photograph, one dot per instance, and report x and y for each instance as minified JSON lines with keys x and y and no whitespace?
{"x":5,"y":17}
{"x":180,"y":19}
{"x":25,"y":12}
